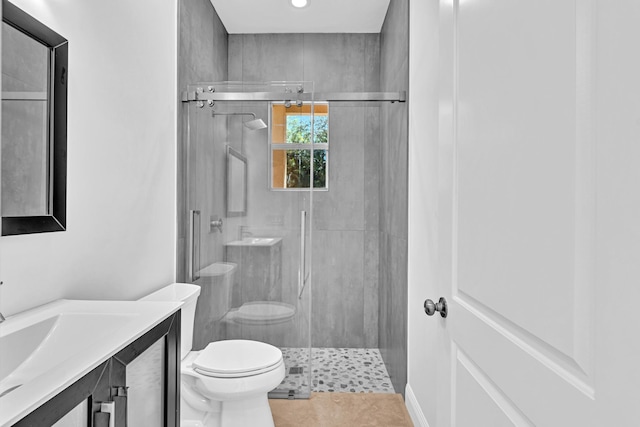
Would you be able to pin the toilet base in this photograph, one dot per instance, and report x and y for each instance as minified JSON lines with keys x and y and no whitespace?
{"x":226,"y":401}
{"x":252,"y":411}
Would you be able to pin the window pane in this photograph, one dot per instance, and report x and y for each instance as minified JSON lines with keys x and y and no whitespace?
{"x":292,"y":125}
{"x":298,"y":129}
{"x":291,"y":168}
{"x":321,"y":129}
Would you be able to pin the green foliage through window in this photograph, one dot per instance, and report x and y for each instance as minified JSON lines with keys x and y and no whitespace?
{"x":300,"y":146}
{"x":299,"y":129}
{"x":299,"y":171}
{"x":298,"y":161}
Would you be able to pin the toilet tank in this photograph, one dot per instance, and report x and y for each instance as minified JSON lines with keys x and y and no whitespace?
{"x":188,"y":295}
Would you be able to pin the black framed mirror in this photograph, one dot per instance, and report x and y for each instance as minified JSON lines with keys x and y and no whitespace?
{"x":34,"y":125}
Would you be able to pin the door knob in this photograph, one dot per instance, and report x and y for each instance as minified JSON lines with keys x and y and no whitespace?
{"x":431,"y":307}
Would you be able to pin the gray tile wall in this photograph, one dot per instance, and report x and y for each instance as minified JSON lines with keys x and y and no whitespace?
{"x":394,"y":76}
{"x":346,"y":218}
{"x":202,"y":57}
{"x":335,"y":62}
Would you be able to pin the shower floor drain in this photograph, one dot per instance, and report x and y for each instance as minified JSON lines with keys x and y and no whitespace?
{"x":295,"y":370}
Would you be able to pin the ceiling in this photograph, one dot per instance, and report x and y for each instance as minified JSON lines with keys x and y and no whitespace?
{"x":319,"y":16}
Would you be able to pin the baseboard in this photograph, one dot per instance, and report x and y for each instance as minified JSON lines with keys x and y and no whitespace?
{"x":415,"y":412}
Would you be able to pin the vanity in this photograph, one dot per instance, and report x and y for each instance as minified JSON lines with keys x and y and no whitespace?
{"x":68,"y":363}
{"x":91,"y":363}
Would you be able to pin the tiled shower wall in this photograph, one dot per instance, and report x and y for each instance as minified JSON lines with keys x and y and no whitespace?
{"x":346,"y":220}
{"x":202,"y":57}
{"x":394,"y":76}
{"x":360,"y":225}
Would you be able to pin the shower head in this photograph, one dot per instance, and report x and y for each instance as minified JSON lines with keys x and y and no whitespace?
{"x":254,"y":124}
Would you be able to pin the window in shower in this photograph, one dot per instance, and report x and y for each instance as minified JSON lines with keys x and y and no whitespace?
{"x":299,"y":146}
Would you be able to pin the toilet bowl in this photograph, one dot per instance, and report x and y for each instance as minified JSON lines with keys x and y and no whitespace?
{"x":226,"y":384}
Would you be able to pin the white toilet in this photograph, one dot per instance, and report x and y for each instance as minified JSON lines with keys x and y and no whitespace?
{"x":226,"y":384}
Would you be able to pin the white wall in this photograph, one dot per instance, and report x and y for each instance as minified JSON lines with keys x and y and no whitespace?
{"x":120,"y":238}
{"x":421,"y":393}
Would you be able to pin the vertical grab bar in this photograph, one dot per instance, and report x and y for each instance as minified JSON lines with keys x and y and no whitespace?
{"x":303,"y":240}
{"x":193,"y":262}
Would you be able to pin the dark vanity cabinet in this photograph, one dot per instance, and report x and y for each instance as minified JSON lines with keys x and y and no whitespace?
{"x":138,"y":386}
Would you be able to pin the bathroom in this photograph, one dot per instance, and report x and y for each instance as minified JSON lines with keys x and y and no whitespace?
{"x":127,"y":207}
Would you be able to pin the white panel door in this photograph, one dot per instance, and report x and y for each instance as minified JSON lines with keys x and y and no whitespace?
{"x":539,"y":235}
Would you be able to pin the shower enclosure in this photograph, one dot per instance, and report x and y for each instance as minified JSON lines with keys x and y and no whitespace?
{"x":256,"y":156}
{"x":250,"y":204}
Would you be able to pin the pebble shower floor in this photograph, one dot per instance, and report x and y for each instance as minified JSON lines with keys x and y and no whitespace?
{"x":351,"y":370}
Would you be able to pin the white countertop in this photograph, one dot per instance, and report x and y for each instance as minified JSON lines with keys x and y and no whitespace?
{"x":81,"y":354}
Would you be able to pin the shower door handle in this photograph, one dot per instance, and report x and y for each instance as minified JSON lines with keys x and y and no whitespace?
{"x":193,"y":262}
{"x":302,"y":276}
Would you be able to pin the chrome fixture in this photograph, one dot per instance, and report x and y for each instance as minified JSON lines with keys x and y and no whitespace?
{"x":430,"y":307}
{"x":193,"y":255}
{"x":215,"y":224}
{"x":289,"y":96}
{"x":299,"y":3}
{"x":302,"y":270}
{"x":254,"y":124}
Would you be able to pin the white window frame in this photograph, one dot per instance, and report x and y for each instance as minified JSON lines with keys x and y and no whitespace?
{"x":310,"y":147}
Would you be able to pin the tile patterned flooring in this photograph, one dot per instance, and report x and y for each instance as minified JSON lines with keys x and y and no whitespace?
{"x":354,"y":370}
{"x":342,"y":409}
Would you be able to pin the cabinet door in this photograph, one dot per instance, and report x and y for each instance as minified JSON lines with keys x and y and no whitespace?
{"x":145,"y":378}
{"x":77,"y":417}
{"x":145,"y":387}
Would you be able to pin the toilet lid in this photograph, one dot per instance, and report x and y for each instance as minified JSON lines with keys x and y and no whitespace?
{"x":237,"y":358}
{"x":264,"y":312}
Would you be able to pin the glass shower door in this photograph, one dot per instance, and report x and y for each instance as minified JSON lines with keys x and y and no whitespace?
{"x":249,"y":240}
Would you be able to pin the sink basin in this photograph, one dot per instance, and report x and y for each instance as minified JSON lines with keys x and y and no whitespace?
{"x":46,"y":349}
{"x":33,"y":350}
{"x":256,"y":241}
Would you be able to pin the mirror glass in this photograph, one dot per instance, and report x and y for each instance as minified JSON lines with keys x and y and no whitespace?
{"x":25,"y":124}
{"x":236,"y":183}
{"x":33,"y":170}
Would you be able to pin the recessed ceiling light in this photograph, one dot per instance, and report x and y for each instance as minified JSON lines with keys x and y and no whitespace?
{"x":299,"y":3}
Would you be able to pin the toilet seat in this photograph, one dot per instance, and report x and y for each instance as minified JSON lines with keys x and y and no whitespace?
{"x":237,"y":359}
